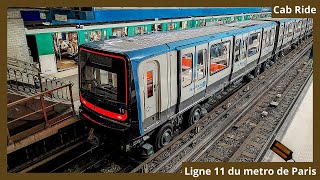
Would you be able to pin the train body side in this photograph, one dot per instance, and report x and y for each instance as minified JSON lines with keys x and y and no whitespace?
{"x":170,"y":77}
{"x":174,"y":96}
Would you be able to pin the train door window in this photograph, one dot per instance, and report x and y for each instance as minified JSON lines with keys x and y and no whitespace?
{"x":201,"y":64}
{"x":254,"y":44}
{"x":280,"y":34}
{"x":244,"y":48}
{"x":105,"y":34}
{"x":237,"y":50}
{"x":150,"y":83}
{"x":219,"y":57}
{"x":264,"y":38}
{"x":269,"y":38}
{"x":86,"y":37}
{"x":187,"y":69}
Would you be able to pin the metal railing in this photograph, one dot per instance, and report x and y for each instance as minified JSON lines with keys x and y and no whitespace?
{"x":33,"y":83}
{"x":42,"y":104}
{"x":23,"y":65}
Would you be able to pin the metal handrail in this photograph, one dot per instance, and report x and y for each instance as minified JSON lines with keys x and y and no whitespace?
{"x":47,"y":122}
{"x":34,"y":83}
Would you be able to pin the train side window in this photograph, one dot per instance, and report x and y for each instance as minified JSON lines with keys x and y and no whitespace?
{"x":150,"y":83}
{"x":253,"y":44}
{"x":219,"y":57}
{"x":187,"y":69}
{"x":140,"y":30}
{"x":201,"y":61}
{"x":237,"y":50}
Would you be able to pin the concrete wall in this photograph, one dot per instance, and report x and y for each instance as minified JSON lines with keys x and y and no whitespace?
{"x":17,"y":46}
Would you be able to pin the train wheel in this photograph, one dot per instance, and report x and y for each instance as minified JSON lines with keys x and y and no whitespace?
{"x":164,"y":136}
{"x":194,"y":115}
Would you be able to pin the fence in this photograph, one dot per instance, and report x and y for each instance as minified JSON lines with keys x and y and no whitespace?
{"x":38,"y":112}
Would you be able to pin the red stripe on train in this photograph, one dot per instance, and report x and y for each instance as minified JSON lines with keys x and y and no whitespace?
{"x":116,"y":116}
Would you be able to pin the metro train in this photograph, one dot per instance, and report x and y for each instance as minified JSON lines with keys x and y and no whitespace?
{"x":140,"y":89}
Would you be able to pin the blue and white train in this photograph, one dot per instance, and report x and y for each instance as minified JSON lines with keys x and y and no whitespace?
{"x":142,"y":87}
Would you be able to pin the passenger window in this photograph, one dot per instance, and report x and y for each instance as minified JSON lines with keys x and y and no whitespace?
{"x":171,"y":26}
{"x":253,"y":44}
{"x":150,"y":83}
{"x":201,"y":61}
{"x":219,"y":57}
{"x":237,"y":50}
{"x":140,"y":30}
{"x":187,"y":69}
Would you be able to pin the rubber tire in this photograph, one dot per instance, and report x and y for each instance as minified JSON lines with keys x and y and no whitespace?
{"x":191,"y":121}
{"x":256,"y":71}
{"x":166,"y":127}
{"x":263,"y":67}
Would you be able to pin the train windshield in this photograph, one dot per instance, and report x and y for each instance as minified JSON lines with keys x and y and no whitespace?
{"x":102,"y":76}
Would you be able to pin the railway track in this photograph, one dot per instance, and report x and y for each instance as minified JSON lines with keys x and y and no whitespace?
{"x":194,"y":143}
{"x":89,"y":158}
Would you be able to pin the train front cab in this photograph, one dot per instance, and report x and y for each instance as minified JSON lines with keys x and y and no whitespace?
{"x":104,"y":83}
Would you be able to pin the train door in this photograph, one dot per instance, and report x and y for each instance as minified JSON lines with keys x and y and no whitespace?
{"x":151,"y":94}
{"x":201,"y":71}
{"x":240,"y":56}
{"x":253,"y":49}
{"x":281,"y":36}
{"x":187,"y":77}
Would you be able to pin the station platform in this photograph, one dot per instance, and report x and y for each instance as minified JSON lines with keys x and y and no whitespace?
{"x":297,"y":134}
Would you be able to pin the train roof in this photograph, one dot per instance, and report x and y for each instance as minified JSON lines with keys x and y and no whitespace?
{"x":277,"y":19}
{"x":146,"y":46}
{"x":244,"y":24}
